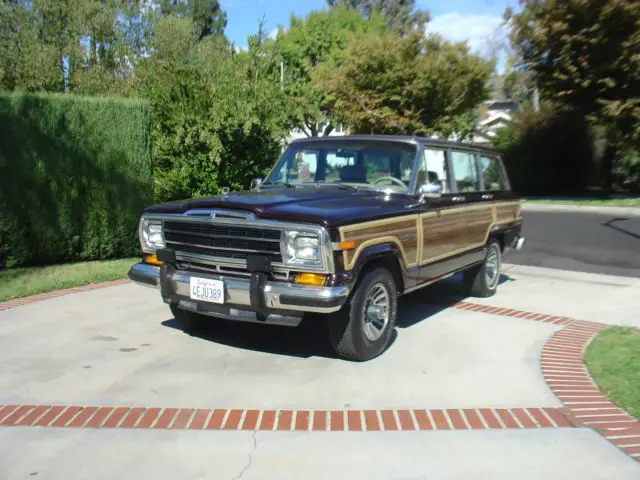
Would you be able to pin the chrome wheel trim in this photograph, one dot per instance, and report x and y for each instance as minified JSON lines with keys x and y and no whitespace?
{"x":492,"y":267}
{"x":376,"y":311}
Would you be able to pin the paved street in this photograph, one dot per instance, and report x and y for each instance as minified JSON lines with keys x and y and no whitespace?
{"x":449,"y":368}
{"x":586,"y":242}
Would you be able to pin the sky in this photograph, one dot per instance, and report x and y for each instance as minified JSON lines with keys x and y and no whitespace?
{"x":476,"y":21}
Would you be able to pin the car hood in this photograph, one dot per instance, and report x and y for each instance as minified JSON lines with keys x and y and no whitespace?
{"x":326,"y":206}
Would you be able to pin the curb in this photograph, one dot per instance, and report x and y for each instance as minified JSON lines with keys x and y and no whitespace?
{"x":564,"y":370}
{"x":549,"y":207}
{"x":59,"y":293}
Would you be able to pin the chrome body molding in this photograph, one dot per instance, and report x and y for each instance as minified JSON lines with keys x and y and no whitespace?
{"x":278,"y":296}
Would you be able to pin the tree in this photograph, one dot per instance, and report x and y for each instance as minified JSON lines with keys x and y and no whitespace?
{"x":584,"y":54}
{"x":408,"y":85}
{"x":319,"y":38}
{"x":83,"y":46}
{"x":399,"y":14}
{"x":207,"y":15}
{"x":217,"y":117}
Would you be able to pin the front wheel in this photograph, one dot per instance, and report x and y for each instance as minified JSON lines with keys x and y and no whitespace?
{"x":190,"y":322}
{"x":363,"y":328}
{"x":483,"y":280}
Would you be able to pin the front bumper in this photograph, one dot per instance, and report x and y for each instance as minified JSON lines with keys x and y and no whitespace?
{"x":276,"y":297}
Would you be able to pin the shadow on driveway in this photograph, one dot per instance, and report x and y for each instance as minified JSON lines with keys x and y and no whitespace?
{"x":309,"y":339}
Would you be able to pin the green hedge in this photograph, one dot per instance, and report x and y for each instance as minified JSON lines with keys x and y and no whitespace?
{"x":75,"y":174}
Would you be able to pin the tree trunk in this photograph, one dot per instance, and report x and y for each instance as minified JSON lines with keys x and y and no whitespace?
{"x":328,"y":130}
{"x":608,"y":159}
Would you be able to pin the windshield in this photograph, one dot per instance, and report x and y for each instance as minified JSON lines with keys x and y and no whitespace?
{"x":374,"y":164}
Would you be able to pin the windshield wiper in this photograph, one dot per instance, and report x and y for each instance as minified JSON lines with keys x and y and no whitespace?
{"x":280,"y":184}
{"x":336,"y":184}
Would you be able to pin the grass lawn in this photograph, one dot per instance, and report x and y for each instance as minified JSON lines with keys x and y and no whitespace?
{"x":22,"y":282}
{"x":594,"y":202}
{"x":613,"y":359}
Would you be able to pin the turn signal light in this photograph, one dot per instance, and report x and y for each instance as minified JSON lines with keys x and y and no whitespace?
{"x":311,"y":279}
{"x":346,"y":245}
{"x":152,"y":259}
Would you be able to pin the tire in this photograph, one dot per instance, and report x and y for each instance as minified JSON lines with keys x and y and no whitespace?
{"x":190,"y":322}
{"x":482,"y":281}
{"x":353,"y":334}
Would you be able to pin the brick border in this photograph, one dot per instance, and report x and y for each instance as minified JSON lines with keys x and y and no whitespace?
{"x":564,"y":370}
{"x":59,"y":293}
{"x":75,"y":416}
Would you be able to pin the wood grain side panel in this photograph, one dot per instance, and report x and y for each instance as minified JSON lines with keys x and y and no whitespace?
{"x":506,"y":212}
{"x":454,"y":231}
{"x":402,"y":231}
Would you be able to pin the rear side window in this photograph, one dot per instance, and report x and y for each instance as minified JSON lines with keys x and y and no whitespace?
{"x":465,"y":173}
{"x":493,"y":174}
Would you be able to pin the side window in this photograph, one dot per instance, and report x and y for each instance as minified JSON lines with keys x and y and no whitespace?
{"x":463,"y":167}
{"x":432,"y":173}
{"x":493,"y":174}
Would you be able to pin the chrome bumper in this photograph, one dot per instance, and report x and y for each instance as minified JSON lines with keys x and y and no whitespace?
{"x":277,"y":295}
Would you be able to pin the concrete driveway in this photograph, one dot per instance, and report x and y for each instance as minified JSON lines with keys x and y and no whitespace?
{"x":459,"y":394}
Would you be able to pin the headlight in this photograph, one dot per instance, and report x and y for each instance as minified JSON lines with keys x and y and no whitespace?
{"x":151,"y":235}
{"x":307,"y":248}
{"x":302,"y":249}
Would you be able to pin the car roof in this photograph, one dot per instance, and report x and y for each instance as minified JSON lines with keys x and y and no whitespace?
{"x":436,"y":142}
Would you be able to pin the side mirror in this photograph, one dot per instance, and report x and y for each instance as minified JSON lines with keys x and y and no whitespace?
{"x":430,"y":190}
{"x":256,"y":183}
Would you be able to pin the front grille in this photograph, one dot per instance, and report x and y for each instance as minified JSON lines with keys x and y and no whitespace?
{"x":220,"y":241}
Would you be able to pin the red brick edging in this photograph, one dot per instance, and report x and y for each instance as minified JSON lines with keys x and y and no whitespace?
{"x":565,"y":372}
{"x":59,"y":293}
{"x":282,"y":420}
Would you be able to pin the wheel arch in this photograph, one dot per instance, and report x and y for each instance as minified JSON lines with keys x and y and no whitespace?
{"x":385,"y":255}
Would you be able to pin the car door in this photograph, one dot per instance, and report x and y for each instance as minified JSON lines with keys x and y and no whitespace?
{"x":473,"y":207}
{"x":435,"y":226}
{"x":497,"y":191}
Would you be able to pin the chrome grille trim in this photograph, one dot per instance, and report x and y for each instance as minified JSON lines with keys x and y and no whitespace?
{"x":248,"y":221}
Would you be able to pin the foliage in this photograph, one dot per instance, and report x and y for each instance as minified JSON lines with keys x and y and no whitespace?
{"x":400,"y":15}
{"x":547,"y":152}
{"x":208,"y":17}
{"x":584,"y":54}
{"x":319,"y":38}
{"x":22,"y":282}
{"x":406,"y":85}
{"x":217,"y":116}
{"x":75,"y":174}
{"x":613,"y":359}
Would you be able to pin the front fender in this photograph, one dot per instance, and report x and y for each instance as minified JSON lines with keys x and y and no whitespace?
{"x":387,"y":251}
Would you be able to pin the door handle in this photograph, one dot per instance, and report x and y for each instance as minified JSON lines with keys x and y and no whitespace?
{"x":459,"y":199}
{"x":487,"y":196}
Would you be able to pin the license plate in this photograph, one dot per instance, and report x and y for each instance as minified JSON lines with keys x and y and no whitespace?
{"x":206,"y":290}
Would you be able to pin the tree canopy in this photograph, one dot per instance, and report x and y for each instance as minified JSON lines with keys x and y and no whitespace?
{"x":400,"y":15}
{"x":319,"y":38}
{"x":406,"y":85}
{"x":584,"y":53}
{"x":207,"y":16}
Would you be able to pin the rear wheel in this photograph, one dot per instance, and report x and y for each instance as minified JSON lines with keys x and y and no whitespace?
{"x":363,"y":328}
{"x":483,"y":280}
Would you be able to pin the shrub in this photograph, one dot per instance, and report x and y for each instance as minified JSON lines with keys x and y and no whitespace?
{"x":75,"y":174}
{"x":549,"y":152}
